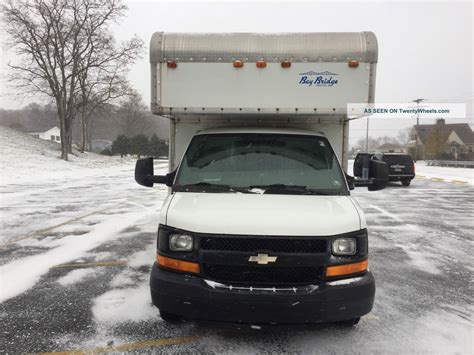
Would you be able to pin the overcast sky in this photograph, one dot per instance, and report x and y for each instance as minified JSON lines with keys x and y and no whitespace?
{"x":425,"y":48}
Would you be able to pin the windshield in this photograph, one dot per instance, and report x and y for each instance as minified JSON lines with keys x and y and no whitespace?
{"x":260,"y":163}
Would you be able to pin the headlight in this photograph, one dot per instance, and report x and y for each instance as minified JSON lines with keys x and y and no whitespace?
{"x":344,"y":246}
{"x":181,"y":242}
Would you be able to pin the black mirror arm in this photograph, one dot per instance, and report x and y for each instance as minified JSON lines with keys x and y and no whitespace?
{"x":362,"y":182}
{"x":350,"y":181}
{"x":157,"y":179}
{"x":167,"y":179}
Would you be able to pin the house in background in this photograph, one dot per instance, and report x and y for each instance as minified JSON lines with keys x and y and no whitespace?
{"x":391,"y":148}
{"x":52,"y":134}
{"x":442,"y":141}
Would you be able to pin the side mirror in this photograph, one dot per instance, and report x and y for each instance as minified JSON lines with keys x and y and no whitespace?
{"x":144,"y":174}
{"x":378,"y":175}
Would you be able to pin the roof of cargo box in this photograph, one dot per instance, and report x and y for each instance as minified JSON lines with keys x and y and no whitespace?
{"x":272,"y":47}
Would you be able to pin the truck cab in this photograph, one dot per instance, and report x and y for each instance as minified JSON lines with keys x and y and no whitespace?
{"x":259,"y":225}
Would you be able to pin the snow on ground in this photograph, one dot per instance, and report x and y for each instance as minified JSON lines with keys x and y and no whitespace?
{"x":64,"y":208}
{"x":448,"y":173}
{"x":124,"y":305}
{"x":75,"y":276}
{"x":24,"y":158}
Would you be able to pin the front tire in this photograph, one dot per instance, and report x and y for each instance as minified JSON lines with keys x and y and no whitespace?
{"x":406,"y":182}
{"x":169,"y":317}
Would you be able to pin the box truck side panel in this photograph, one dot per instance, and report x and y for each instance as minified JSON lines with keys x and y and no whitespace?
{"x":289,"y":73}
{"x":304,"y":86}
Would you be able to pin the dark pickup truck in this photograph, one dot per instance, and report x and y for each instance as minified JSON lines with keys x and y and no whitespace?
{"x":401,"y":166}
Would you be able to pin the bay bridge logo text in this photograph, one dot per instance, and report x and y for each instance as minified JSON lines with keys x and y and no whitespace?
{"x":324,"y":78}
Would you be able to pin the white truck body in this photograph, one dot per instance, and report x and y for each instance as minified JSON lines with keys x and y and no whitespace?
{"x":205,"y":90}
{"x":259,"y":216}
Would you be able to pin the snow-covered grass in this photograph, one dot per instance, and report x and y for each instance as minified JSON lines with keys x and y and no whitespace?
{"x":25,"y":158}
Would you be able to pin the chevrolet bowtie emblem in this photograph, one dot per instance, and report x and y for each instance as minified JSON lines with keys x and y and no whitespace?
{"x":262,"y":259}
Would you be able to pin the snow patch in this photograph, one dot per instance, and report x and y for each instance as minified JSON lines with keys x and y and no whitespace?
{"x":22,"y":274}
{"x":125,"y":278}
{"x":75,"y":276}
{"x":143,"y":257}
{"x":124,"y":305}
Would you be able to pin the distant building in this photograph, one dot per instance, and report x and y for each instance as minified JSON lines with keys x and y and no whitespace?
{"x":52,"y":134}
{"x":441,"y":140}
{"x":391,"y":148}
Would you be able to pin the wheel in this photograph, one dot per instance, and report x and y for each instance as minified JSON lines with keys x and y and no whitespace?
{"x":406,"y":182}
{"x":169,"y":317}
{"x":348,"y":323}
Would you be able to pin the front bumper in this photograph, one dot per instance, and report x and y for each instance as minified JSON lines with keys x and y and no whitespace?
{"x":193,"y":298}
{"x":400,"y":177}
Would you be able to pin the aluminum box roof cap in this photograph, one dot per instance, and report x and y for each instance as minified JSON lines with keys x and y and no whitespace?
{"x":272,"y":47}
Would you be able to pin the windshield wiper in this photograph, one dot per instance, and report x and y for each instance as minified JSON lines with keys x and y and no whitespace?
{"x":202,"y":186}
{"x":288,"y":189}
{"x":207,"y":186}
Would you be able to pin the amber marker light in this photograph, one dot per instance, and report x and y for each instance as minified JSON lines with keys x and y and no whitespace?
{"x":175,"y":264}
{"x":353,"y":64}
{"x":171,"y":64}
{"x":347,"y":269}
{"x":238,"y":64}
{"x":261,"y":64}
{"x":286,"y":64}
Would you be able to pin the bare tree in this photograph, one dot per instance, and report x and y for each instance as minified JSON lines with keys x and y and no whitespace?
{"x":403,"y":135}
{"x":134,"y":115}
{"x":374,"y":143}
{"x":103,"y":78}
{"x":54,"y":39}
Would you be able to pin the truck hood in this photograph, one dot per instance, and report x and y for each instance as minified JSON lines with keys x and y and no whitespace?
{"x":262,"y":214}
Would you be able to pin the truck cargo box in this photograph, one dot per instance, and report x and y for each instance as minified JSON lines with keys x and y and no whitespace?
{"x":264,"y":74}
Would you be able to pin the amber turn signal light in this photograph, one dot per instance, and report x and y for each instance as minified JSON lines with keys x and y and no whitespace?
{"x":238,"y":64}
{"x":176,"y":264}
{"x":353,"y":64}
{"x":171,"y":64}
{"x":347,"y":269}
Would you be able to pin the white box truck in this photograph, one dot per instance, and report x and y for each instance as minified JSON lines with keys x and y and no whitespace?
{"x":259,"y":225}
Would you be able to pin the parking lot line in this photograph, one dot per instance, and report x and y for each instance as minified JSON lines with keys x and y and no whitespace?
{"x":460,"y":182}
{"x":94,"y":264}
{"x":44,"y":230}
{"x":129,"y":346}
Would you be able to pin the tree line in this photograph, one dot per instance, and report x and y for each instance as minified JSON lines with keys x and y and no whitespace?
{"x":130,"y":117}
{"x":66,"y":52}
{"x":140,"y":145}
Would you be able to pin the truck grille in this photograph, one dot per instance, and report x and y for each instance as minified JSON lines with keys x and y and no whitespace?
{"x":262,"y":275}
{"x":265,"y":244}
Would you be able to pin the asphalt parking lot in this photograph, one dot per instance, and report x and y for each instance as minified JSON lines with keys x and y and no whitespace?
{"x":62,"y":293}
